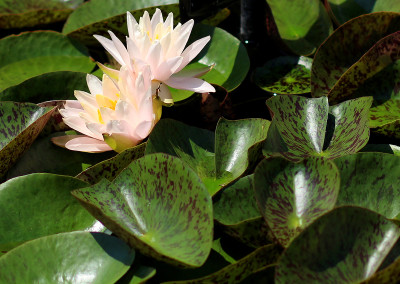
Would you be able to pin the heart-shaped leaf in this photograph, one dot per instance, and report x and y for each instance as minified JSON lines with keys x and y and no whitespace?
{"x":285,"y":75}
{"x":345,"y":10}
{"x":216,"y":165}
{"x":305,"y":127}
{"x":347,"y":245}
{"x":44,"y":156}
{"x":47,"y":87}
{"x":303,"y":25}
{"x":21,"y":220}
{"x":292,"y":196}
{"x":157,"y":205}
{"x":77,"y":257}
{"x":19,"y":63}
{"x":376,"y":188}
{"x":236,"y":209}
{"x":20,"y":124}
{"x":110,"y":168}
{"x":345,"y":47}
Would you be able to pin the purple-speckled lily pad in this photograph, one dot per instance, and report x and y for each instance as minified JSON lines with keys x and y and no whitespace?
{"x":303,"y":127}
{"x":346,"y":245}
{"x":218,"y":159}
{"x":157,"y":205}
{"x":291,"y":196}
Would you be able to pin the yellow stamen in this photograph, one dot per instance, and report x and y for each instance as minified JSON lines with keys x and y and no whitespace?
{"x":103,"y":101}
{"x":100,"y":117}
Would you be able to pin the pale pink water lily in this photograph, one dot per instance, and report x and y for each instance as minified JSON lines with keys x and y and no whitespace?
{"x":115,"y":115}
{"x":157,"y":43}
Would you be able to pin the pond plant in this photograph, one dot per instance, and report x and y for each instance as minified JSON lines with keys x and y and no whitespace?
{"x":138,"y":146}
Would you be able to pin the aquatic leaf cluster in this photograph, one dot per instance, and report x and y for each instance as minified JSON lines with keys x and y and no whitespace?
{"x":289,"y":173}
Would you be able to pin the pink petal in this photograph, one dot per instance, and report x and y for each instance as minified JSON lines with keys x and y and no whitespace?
{"x":73,"y":104}
{"x":156,"y":19}
{"x":167,"y":68}
{"x":154,"y":56}
{"x":94,"y":84}
{"x":81,"y":143}
{"x":192,"y":51}
{"x":120,"y":48}
{"x":133,"y":49}
{"x":79,"y":124}
{"x":196,"y":72}
{"x":191,"y":84}
{"x":183,"y":37}
{"x":169,"y":21}
{"x":162,"y":91}
{"x":131,"y":23}
{"x":143,"y":129}
{"x":110,"y":47}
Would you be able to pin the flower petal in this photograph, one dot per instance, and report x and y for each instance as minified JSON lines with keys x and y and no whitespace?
{"x":79,"y":124}
{"x":94,"y":84}
{"x":121,"y":49}
{"x":191,"y":84}
{"x":196,"y":72}
{"x":167,"y":68}
{"x":110,"y":47}
{"x":131,"y":23}
{"x":81,"y":143}
{"x":192,"y":51}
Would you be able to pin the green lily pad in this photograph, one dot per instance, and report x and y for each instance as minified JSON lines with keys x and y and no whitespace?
{"x":347,"y":245}
{"x":305,"y":127}
{"x":285,"y":75}
{"x":28,"y":13}
{"x":292,"y":196}
{"x":345,"y":47}
{"x":385,"y":118}
{"x":20,"y":124}
{"x":47,"y":87}
{"x":345,"y":10}
{"x":217,"y":159}
{"x":303,"y":25}
{"x":238,"y":271}
{"x":138,"y":274}
{"x":225,"y":51}
{"x":110,"y":168}
{"x":21,"y":220}
{"x":76,"y":257}
{"x":236,"y":210}
{"x":376,"y":188}
{"x":48,"y":52}
{"x":44,"y":156}
{"x":382,"y":148}
{"x":157,"y":205}
{"x":390,"y":274}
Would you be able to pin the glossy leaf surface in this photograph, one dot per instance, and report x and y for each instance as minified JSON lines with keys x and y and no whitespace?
{"x":292,"y":196}
{"x":59,"y":211}
{"x":157,"y":205}
{"x":285,"y":75}
{"x":346,"y":245}
{"x":98,"y":258}
{"x":48,"y":52}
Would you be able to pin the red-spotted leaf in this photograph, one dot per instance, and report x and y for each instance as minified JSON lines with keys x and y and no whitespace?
{"x":157,"y":205}
{"x":345,"y":47}
{"x":292,"y":196}
{"x":77,"y":257}
{"x":285,"y":75}
{"x":20,"y":124}
{"x":385,"y":118}
{"x":346,"y":245}
{"x":304,"y":127}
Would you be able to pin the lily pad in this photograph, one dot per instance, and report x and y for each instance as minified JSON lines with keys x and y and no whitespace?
{"x":285,"y":75}
{"x":292,"y":196}
{"x":345,"y":10}
{"x":345,"y":47}
{"x":217,"y":159}
{"x":59,"y":211}
{"x":303,"y":25}
{"x":157,"y":205}
{"x":47,"y":87}
{"x":48,"y":52}
{"x":385,"y":118}
{"x":75,"y":257}
{"x":305,"y":127}
{"x":236,"y":210}
{"x":347,"y":245}
{"x":20,"y":124}
{"x":376,"y":188}
{"x":382,"y":148}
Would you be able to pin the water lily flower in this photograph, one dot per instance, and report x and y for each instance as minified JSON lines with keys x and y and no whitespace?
{"x":157,"y":43}
{"x":115,"y":115}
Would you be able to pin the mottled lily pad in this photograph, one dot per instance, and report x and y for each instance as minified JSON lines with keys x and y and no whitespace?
{"x":374,"y":187}
{"x":217,"y":159}
{"x":77,"y":257}
{"x":305,"y":127}
{"x":303,"y":24}
{"x":48,"y":52}
{"x":385,"y":118}
{"x":110,"y":168}
{"x":347,"y":245}
{"x":157,"y":205}
{"x":285,"y":75}
{"x":292,"y":196}
{"x":20,"y":124}
{"x":21,"y":220}
{"x":345,"y":10}
{"x":345,"y":47}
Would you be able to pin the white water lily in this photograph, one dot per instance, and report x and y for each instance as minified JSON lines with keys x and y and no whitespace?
{"x":157,"y":43}
{"x":115,"y":115}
